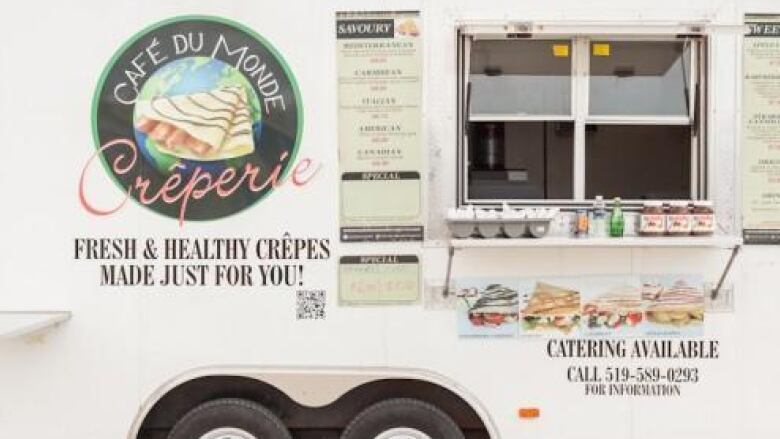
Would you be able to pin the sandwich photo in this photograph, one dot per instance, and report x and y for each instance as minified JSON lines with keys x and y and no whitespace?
{"x":552,"y":307}
{"x":206,"y":126}
{"x":678,"y":305}
{"x":620,"y":307}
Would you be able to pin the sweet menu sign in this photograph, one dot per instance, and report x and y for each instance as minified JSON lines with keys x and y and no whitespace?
{"x":761,"y":130}
{"x":379,"y":132}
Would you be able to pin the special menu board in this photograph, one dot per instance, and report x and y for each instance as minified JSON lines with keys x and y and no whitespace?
{"x":379,"y":279}
{"x":380,"y":119}
{"x":761,"y":130}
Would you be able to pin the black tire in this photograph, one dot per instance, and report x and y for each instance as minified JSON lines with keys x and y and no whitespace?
{"x":402,"y":412}
{"x":229,"y":413}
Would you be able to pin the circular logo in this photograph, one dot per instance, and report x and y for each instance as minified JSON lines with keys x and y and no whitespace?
{"x":197,"y":118}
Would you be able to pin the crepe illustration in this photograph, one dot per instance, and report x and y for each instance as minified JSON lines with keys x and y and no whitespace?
{"x":618,"y":307}
{"x":212,"y":125}
{"x":495,"y":306}
{"x":408,"y":28}
{"x":651,"y":291}
{"x":552,"y":307}
{"x":678,"y":305}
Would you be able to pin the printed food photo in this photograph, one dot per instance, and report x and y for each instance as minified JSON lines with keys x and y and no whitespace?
{"x":552,"y":309}
{"x":617,"y":310}
{"x":491,"y":310}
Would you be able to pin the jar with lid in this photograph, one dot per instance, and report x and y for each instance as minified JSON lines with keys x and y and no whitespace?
{"x":652,"y":221}
{"x":678,"y":219}
{"x":703,"y":221}
{"x":581,"y":226}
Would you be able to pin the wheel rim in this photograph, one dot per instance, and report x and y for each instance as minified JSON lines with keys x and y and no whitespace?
{"x":402,"y":433}
{"x":228,"y":433}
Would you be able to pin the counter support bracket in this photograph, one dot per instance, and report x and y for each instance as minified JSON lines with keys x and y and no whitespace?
{"x":734,"y":252}
{"x":448,"y":278}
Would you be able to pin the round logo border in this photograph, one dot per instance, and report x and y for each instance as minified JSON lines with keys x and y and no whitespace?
{"x":138,"y":35}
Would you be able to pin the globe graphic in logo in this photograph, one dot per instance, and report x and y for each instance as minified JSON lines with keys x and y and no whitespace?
{"x":194,"y":100}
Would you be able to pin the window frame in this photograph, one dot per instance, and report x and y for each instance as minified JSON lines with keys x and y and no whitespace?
{"x":580,"y":44}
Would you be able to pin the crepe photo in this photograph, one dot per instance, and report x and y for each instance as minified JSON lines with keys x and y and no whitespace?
{"x":207,"y":126}
{"x":674,"y":304}
{"x":617,"y":309}
{"x":551,"y":308}
{"x":487,"y":309}
{"x":408,"y":27}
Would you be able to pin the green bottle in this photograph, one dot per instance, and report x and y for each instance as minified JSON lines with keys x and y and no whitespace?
{"x":616,"y":221}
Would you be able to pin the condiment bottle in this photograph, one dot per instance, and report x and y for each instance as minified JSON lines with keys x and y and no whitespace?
{"x":582,"y":223}
{"x":678,"y":220}
{"x":598,"y":223}
{"x":703,"y":218}
{"x":652,"y":221}
{"x":616,"y":221}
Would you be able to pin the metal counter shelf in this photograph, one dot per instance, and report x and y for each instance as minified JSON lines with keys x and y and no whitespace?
{"x":21,"y":323}
{"x":715,"y":241}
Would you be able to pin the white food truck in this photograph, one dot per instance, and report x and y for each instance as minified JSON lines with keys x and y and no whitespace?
{"x":390,"y":220}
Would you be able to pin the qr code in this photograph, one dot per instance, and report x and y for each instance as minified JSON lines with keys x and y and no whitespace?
{"x":311,"y":304}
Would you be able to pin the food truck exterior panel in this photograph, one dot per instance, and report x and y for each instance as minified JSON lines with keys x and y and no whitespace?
{"x":270,"y":299}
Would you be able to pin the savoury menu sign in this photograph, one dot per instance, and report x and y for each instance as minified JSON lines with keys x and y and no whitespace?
{"x":379,"y":116}
{"x":761,"y":129}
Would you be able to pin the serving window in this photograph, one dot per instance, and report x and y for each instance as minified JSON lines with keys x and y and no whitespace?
{"x":559,"y":120}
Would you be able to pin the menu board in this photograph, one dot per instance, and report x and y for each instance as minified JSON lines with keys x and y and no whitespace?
{"x":761,"y":130}
{"x":379,"y":279}
{"x":379,"y":125}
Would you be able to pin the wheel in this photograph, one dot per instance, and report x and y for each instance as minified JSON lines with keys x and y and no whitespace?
{"x":402,"y":418}
{"x":229,"y":418}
